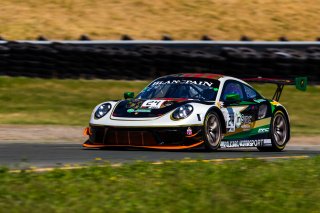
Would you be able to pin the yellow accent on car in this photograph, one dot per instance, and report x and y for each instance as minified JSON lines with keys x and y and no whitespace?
{"x":261,"y":122}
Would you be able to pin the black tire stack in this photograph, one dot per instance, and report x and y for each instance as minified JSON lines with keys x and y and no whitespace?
{"x":138,"y":61}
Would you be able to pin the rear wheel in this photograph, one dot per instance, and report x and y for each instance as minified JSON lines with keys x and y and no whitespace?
{"x":279,"y":132}
{"x":212,"y":131}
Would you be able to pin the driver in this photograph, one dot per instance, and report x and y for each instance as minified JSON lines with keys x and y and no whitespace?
{"x":232,"y":88}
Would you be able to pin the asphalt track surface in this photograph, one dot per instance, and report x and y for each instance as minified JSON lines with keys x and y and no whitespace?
{"x":41,"y":155}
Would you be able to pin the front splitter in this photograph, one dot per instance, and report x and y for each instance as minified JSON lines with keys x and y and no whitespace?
{"x":87,"y":145}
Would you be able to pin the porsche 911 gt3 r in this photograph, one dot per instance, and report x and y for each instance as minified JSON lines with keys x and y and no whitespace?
{"x":183,"y":111}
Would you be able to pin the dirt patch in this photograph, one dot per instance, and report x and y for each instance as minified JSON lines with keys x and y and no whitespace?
{"x":40,"y":133}
{"x":145,"y":19}
{"x":306,"y":140}
{"x":70,"y":134}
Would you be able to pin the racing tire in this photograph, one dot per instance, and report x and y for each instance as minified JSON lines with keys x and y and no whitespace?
{"x":212,"y":131}
{"x":279,"y":133}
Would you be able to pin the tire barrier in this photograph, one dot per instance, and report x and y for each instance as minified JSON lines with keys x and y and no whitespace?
{"x":148,"y":61}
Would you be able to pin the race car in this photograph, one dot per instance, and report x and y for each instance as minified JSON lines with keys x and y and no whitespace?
{"x":183,"y":111}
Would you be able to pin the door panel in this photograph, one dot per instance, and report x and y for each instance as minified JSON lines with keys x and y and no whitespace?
{"x":239,"y":116}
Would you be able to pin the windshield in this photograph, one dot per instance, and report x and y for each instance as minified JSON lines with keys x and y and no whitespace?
{"x":190,"y":88}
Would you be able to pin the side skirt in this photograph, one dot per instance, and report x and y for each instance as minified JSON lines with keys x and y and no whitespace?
{"x":245,"y":143}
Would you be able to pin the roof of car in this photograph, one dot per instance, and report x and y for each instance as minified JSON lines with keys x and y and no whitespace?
{"x":197,"y":75}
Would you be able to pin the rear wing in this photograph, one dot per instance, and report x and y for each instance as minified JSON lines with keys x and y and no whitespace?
{"x":299,"y":82}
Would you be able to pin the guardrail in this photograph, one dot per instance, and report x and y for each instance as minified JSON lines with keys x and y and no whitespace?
{"x":134,"y":59}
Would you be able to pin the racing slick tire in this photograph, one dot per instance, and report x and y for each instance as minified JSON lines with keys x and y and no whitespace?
{"x":279,"y":133}
{"x":212,"y":131}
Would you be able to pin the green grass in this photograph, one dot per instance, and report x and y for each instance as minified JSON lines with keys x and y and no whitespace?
{"x":238,"y":186}
{"x":67,"y":102}
{"x":70,"y":102}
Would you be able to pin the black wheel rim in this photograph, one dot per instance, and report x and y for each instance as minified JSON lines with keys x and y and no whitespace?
{"x":280,"y":129}
{"x":213,"y":130}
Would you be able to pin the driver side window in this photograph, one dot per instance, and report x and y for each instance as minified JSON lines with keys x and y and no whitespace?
{"x":250,"y":93}
{"x":231,"y":87}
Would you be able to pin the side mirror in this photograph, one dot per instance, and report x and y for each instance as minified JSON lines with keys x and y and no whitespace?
{"x":128,"y":95}
{"x":232,"y":98}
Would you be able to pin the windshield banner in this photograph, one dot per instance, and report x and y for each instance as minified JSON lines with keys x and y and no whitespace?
{"x":182,"y":81}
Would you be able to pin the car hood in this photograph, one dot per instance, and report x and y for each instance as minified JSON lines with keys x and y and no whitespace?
{"x":139,"y":108}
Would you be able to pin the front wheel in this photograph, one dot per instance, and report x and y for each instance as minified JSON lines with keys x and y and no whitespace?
{"x":279,"y":132}
{"x":212,"y":131}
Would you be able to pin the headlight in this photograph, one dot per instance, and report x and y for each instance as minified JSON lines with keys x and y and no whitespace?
{"x":182,"y":112}
{"x":102,"y":110}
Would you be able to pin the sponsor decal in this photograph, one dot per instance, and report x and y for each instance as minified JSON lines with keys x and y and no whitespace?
{"x":246,"y":119}
{"x":130,"y":110}
{"x":134,"y":104}
{"x":238,"y":119}
{"x":246,"y":127}
{"x":204,"y":83}
{"x":138,"y":110}
{"x":143,"y":110}
{"x":267,"y":142}
{"x":230,"y":120}
{"x":234,"y":118}
{"x":245,"y":143}
{"x":199,"y":117}
{"x":259,"y":100}
{"x":263,"y":130}
{"x":152,"y":104}
{"x":189,"y":131}
{"x":219,"y":104}
{"x":166,"y":104}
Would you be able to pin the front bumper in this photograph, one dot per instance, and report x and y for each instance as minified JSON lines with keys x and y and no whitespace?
{"x":153,"y":138}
